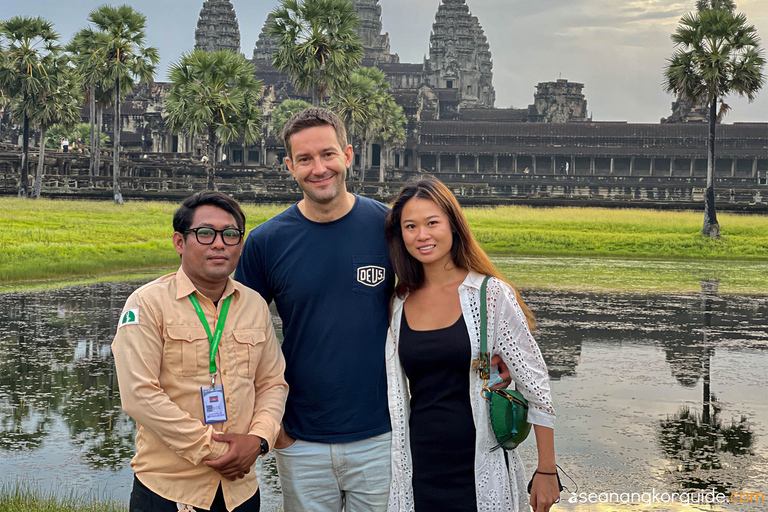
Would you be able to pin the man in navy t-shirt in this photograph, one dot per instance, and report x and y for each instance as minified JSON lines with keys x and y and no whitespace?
{"x":324,"y":262}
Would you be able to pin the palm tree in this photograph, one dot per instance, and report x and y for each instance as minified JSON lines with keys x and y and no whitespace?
{"x":119,"y":45}
{"x":318,"y":45}
{"x":57,"y":103}
{"x":284,"y":112}
{"x":215,"y":93}
{"x":30,"y":45}
{"x":81,"y":49}
{"x":360,"y":104}
{"x":718,"y":53}
{"x":392,"y":132}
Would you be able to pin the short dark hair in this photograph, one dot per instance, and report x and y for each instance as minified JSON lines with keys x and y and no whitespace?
{"x":182,"y":219}
{"x":309,"y":118}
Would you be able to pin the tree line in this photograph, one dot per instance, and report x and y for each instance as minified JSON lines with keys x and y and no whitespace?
{"x":214,"y":95}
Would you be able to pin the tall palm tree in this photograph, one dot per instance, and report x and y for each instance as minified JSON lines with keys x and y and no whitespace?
{"x":81,"y":49}
{"x":29,"y":45}
{"x":360,"y":104}
{"x":717,"y":53}
{"x":58,"y":102}
{"x":214,"y":93}
{"x":318,"y":45}
{"x":119,"y":44}
{"x":392,"y":132}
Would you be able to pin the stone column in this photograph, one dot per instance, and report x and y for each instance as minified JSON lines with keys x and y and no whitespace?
{"x":611,"y":165}
{"x":733,"y":167}
{"x":263,"y":152}
{"x":591,"y":165}
{"x":458,"y":163}
{"x":653,"y":162}
{"x":496,"y":163}
{"x":754,"y":168}
{"x":554,"y":164}
{"x":514,"y":163}
{"x":693,"y":164}
{"x":631,"y":165}
{"x":671,"y":165}
{"x":573,"y":165}
{"x":438,"y":166}
{"x":477,"y":163}
{"x":533,"y":164}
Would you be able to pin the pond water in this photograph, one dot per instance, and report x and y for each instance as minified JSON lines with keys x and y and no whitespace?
{"x":653,"y":392}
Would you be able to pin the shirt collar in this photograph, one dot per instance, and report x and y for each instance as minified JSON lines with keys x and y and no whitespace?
{"x":184,"y":286}
{"x":473,"y":280}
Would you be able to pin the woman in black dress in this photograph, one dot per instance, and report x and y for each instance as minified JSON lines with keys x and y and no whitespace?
{"x":441,"y":437}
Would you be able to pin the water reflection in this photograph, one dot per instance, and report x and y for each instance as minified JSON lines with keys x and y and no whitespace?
{"x":629,"y":373}
{"x":696,"y":441}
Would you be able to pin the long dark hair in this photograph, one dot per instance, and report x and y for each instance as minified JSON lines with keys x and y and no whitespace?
{"x":466,"y":252}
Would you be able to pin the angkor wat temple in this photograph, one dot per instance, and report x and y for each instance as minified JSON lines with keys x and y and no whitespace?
{"x":455,"y":131}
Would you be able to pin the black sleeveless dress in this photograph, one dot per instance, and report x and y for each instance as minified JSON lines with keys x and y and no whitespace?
{"x":437,"y":364}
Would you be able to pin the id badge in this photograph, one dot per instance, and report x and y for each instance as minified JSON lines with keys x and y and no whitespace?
{"x":214,"y":406}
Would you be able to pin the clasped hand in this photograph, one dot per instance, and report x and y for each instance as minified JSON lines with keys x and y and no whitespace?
{"x":239,"y":459}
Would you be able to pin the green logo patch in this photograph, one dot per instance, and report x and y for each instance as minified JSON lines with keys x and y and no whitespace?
{"x":129,"y":317}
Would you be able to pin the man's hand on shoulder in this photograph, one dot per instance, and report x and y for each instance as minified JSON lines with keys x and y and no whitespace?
{"x":239,"y":459}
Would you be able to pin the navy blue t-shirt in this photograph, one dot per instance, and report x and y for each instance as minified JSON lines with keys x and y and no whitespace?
{"x":331,"y":283}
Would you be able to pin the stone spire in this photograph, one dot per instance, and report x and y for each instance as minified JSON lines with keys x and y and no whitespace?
{"x":217,"y":27}
{"x":266,"y":45}
{"x":460,"y":56}
{"x":558,"y":102}
{"x":375,"y":44}
{"x":683,"y":111}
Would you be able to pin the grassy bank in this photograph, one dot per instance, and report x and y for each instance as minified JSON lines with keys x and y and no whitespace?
{"x":85,"y":240}
{"x":21,"y":498}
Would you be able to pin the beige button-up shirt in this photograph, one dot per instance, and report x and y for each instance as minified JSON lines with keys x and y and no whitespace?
{"x":162,"y":352}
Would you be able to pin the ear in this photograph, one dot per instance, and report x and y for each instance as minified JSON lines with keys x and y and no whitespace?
{"x":289,"y":164}
{"x":178,"y":242}
{"x":349,"y":154}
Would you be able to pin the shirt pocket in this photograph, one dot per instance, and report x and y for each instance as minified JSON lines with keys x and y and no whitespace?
{"x":186,"y":349}
{"x":371,"y":274}
{"x":247,"y":349}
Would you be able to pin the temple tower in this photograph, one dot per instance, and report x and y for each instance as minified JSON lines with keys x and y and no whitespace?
{"x":683,"y":111}
{"x":217,"y":27}
{"x":558,"y":102}
{"x":375,"y":44}
{"x":460,"y":56}
{"x":266,"y":45}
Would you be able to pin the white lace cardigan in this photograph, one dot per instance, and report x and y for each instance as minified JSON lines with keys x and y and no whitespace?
{"x":508,"y":336}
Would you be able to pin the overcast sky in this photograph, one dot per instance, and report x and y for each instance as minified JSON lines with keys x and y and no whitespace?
{"x":617,"y":48}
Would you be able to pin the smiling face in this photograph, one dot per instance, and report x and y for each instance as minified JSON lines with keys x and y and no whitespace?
{"x":208,"y":266}
{"x":319,"y":164}
{"x":427,"y":232}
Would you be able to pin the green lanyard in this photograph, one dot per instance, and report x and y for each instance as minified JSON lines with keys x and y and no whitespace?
{"x":216,"y":337}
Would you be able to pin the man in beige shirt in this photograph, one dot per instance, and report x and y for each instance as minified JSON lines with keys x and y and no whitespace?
{"x":202,"y":421}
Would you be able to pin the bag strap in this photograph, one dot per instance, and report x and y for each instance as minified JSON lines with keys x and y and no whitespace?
{"x":485,"y":357}
{"x":484,"y":317}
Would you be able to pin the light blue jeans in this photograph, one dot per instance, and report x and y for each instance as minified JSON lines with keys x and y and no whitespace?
{"x":319,"y":477}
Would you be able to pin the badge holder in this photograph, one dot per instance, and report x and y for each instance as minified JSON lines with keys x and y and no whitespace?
{"x":214,"y":403}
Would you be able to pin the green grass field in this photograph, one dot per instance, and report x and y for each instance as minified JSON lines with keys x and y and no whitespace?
{"x":45,"y":241}
{"x":22,"y":498}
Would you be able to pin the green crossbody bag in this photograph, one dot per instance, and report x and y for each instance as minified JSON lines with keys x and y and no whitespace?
{"x":508,"y":408}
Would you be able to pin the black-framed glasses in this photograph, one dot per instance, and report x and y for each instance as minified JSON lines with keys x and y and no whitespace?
{"x":206,"y":236}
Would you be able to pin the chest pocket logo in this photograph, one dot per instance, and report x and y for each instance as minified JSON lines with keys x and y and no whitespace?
{"x":371,"y":275}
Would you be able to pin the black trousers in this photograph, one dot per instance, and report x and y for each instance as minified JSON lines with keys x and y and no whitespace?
{"x":144,"y":500}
